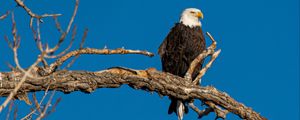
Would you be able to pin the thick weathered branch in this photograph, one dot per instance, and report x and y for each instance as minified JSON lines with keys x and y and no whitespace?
{"x":149,"y":80}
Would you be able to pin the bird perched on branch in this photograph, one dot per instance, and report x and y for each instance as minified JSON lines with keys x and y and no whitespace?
{"x":182,"y":45}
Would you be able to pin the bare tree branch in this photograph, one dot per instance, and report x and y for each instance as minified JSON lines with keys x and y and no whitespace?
{"x":43,"y":114}
{"x":62,"y":59}
{"x":2,"y":17}
{"x":37,"y":104}
{"x":200,"y":113}
{"x":150,"y":80}
{"x":65,"y":50}
{"x":80,"y":47}
{"x":64,"y":34}
{"x":9,"y":109}
{"x":73,"y":16}
{"x":31,"y":14}
{"x":208,"y":65}
{"x":209,"y":51}
{"x":57,"y":24}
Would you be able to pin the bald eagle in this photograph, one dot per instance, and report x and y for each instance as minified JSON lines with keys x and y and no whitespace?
{"x":182,"y":45}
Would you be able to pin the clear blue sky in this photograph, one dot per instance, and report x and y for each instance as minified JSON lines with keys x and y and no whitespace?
{"x":258,"y":65}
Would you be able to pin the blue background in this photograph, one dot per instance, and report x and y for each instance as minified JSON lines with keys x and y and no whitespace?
{"x":258,"y":65}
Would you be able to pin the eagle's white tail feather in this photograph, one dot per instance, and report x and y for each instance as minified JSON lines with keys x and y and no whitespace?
{"x":180,"y":109}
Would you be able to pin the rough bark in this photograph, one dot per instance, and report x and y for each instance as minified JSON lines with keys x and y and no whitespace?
{"x":149,"y":80}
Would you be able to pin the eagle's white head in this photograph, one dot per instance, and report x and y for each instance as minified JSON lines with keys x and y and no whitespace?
{"x":190,"y":17}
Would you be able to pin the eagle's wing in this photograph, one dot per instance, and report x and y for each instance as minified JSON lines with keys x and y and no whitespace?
{"x":162,"y":48}
{"x":172,"y":51}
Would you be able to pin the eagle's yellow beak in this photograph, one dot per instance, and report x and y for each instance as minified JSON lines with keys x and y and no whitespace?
{"x":200,"y":15}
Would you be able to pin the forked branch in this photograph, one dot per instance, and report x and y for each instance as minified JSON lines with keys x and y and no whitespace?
{"x":31,"y":14}
{"x":207,"y":52}
{"x":149,"y":80}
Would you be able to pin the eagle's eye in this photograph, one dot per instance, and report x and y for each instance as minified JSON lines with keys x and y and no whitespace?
{"x":192,"y":12}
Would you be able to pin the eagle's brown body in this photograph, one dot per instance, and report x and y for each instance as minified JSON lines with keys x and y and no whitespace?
{"x":182,"y":45}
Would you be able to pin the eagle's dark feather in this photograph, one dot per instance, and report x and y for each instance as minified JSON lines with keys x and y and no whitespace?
{"x":182,"y":45}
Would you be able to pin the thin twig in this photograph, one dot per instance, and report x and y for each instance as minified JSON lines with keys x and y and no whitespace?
{"x":64,"y":34}
{"x":16,"y":43}
{"x":38,"y":38}
{"x":220,"y":113}
{"x":36,"y":102}
{"x":53,"y":107}
{"x":73,"y":16}
{"x":9,"y":109}
{"x":65,"y":50}
{"x":8,"y":42}
{"x":209,"y":51}
{"x":42,"y":115}
{"x":45,"y":63}
{"x":80,"y":47}
{"x":38,"y":105}
{"x":83,"y":38}
{"x":207,"y":66}
{"x":31,"y":14}
{"x":201,"y":113}
{"x":57,"y":24}
{"x":2,"y":17}
{"x":62,"y":59}
{"x":16,"y":112}
{"x":33,"y":30}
